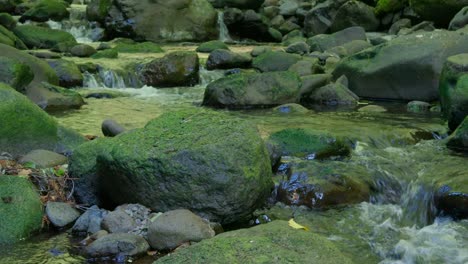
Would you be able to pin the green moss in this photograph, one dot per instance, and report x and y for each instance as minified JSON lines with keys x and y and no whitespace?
{"x":42,"y":37}
{"x":144,"y":47}
{"x":389,"y":6}
{"x":210,"y":46}
{"x":47,"y":9}
{"x":65,"y":98}
{"x":20,"y":208}
{"x":10,"y":39}
{"x":7,"y":21}
{"x":109,"y":54}
{"x":15,"y":73}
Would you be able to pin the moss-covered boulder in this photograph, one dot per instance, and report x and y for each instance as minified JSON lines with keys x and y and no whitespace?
{"x":355,"y":13}
{"x":453,"y":89}
{"x":275,"y":61}
{"x":274,"y":242}
{"x":108,"y":54}
{"x":61,"y":98}
{"x":258,"y":90}
{"x":142,"y":47}
{"x":174,"y":69}
{"x":459,"y":139}
{"x":325,"y":184}
{"x":439,"y":11}
{"x":226,"y":59}
{"x":97,"y":10}
{"x":210,"y":46}
{"x":184,"y":160}
{"x":7,"y":21}
{"x":309,"y":144}
{"x":20,"y":207}
{"x":83,"y":50}
{"x":333,"y":94}
{"x":8,"y":38}
{"x":406,"y":68}
{"x":42,"y":37}
{"x":9,"y":5}
{"x":68,"y":73}
{"x":14,"y":73}
{"x":44,"y":10}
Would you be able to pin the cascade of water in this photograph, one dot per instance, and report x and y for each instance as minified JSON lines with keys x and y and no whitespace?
{"x":223,"y":30}
{"x":106,"y":78}
{"x":207,"y":76}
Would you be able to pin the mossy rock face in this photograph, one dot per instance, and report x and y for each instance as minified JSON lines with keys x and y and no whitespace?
{"x":42,"y":37}
{"x":108,"y":54}
{"x":20,"y":207}
{"x":274,"y":242}
{"x":439,"y":11}
{"x":275,"y":61}
{"x":210,"y":46}
{"x":210,"y":163}
{"x":253,"y":90}
{"x":304,"y":143}
{"x":388,"y":6}
{"x":325,"y":184}
{"x":7,"y":21}
{"x":14,"y":73}
{"x":143,"y":47}
{"x":174,"y":69}
{"x":44,"y":10}
{"x":62,"y":98}
{"x":68,"y":72}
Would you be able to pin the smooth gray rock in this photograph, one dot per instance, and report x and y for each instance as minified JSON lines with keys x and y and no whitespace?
{"x":89,"y":222}
{"x":110,"y":128}
{"x":173,"y":228}
{"x":121,"y":243}
{"x":43,"y":158}
{"x":460,"y":19}
{"x":324,"y":42}
{"x":225,"y":59}
{"x":118,"y":222}
{"x":61,"y":214}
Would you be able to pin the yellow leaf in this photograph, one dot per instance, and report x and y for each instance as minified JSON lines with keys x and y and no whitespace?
{"x":295,"y":225}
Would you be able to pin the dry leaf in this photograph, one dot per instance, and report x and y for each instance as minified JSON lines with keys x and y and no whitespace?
{"x":295,"y":225}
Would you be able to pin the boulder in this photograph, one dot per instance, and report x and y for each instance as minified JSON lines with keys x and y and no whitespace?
{"x":324,"y":42}
{"x":174,"y":69}
{"x":21,"y":208}
{"x":61,"y":214}
{"x":8,"y":5}
{"x":14,"y":73}
{"x":460,"y":19}
{"x":355,"y":13}
{"x":406,"y":68}
{"x":43,"y":158}
{"x":459,"y":139}
{"x":112,"y":245}
{"x":275,"y":61}
{"x":8,"y":38}
{"x":253,"y":90}
{"x":42,"y":37}
{"x":333,"y":94}
{"x":225,"y":59}
{"x":183,"y":160}
{"x":291,"y":109}
{"x":118,"y":222}
{"x":454,"y":89}
{"x":320,"y":18}
{"x":7,"y":21}
{"x":325,"y":185}
{"x":250,"y":25}
{"x":306,"y":66}
{"x":45,"y":10}
{"x":350,"y":48}
{"x":111,"y":128}
{"x":300,"y":48}
{"x":61,"y":98}
{"x":68,"y":73}
{"x":261,"y":243}
{"x":89,"y":222}
{"x":174,"y":228}
{"x":210,"y":46}
{"x":83,"y":50}
{"x":439,"y":11}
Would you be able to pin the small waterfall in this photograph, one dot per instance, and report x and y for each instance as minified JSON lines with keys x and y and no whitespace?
{"x":206,"y":76}
{"x":223,"y":30}
{"x":106,"y":78}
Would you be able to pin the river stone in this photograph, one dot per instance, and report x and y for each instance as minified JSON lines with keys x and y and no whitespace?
{"x":62,"y":98}
{"x":174,"y":228}
{"x":225,"y":59}
{"x":20,"y":207}
{"x":89,"y":222}
{"x":350,"y":48}
{"x":306,"y":66}
{"x":210,"y":46}
{"x":325,"y":185}
{"x":275,"y":61}
{"x":300,"y":48}
{"x":459,"y":139}
{"x":117,"y":244}
{"x":259,"y":50}
{"x":110,"y":128}
{"x":42,"y":37}
{"x":253,"y":90}
{"x":320,"y":18}
{"x":68,"y":73}
{"x":355,"y":13}
{"x":324,"y":42}
{"x":459,"y":20}
{"x":454,"y":89}
{"x":174,"y":69}
{"x":8,"y":38}
{"x":439,"y":11}
{"x":15,"y":73}
{"x":44,"y":10}
{"x":118,"y":222}
{"x":406,"y":68}
{"x":333,"y":94}
{"x":274,"y":242}
{"x":61,"y":214}
{"x":314,"y":81}
{"x":183,"y":160}
{"x":83,"y":50}
{"x":44,"y":158}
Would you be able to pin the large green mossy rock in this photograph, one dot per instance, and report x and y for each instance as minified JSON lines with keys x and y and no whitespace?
{"x":275,"y":61}
{"x":14,"y":73}
{"x":42,"y":37}
{"x":20,"y":209}
{"x":439,"y":11}
{"x":253,"y":90}
{"x":274,"y":242}
{"x":406,"y":68}
{"x":208,"y":162}
{"x":454,"y":90}
{"x":68,"y":73}
{"x":8,"y":38}
{"x":44,"y":10}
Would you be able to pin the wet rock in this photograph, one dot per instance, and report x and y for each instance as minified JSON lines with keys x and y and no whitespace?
{"x":459,"y":139}
{"x":460,"y":19}
{"x":310,"y":83}
{"x":43,"y":158}
{"x":454,"y":89}
{"x":118,"y":222}
{"x":398,"y":25}
{"x":372,"y":109}
{"x":257,"y":51}
{"x":253,"y":90}
{"x":334,"y":94}
{"x":320,"y":18}
{"x":110,"y":128}
{"x":117,"y":244}
{"x":21,"y":209}
{"x":61,"y":214}
{"x":210,"y":46}
{"x":291,"y":109}
{"x":83,"y":50}
{"x":174,"y":228}
{"x":42,"y":37}
{"x":68,"y":73}
{"x":61,"y":98}
{"x":275,"y":61}
{"x":44,"y":10}
{"x":324,"y":42}
{"x":389,"y":71}
{"x":418,"y":107}
{"x":306,"y":66}
{"x":262,"y":243}
{"x":89,"y":222}
{"x":355,"y":13}
{"x":325,"y":184}
{"x":309,"y":144}
{"x":8,"y":38}
{"x":248,"y":24}
{"x":225,"y":59}
{"x":174,"y":69}
{"x":300,"y":48}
